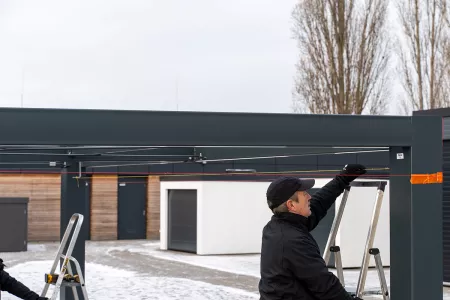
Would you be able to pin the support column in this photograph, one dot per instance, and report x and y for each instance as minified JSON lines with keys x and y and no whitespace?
{"x":426,"y":211}
{"x":73,"y":200}
{"x":400,"y":223}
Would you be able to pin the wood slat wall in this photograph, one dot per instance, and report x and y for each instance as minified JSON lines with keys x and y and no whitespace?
{"x":153,"y":207}
{"x":104,"y":207}
{"x":44,"y":193}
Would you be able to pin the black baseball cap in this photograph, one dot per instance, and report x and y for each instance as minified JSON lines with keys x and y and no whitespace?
{"x":282,"y":188}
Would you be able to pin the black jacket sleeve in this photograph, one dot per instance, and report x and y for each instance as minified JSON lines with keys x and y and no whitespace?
{"x":11,"y":285}
{"x":322,"y":200}
{"x":309,"y":268}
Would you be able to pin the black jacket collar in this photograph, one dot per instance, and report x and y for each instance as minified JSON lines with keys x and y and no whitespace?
{"x":293,"y":219}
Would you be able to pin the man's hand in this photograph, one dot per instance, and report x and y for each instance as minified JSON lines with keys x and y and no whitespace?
{"x":353,"y":296}
{"x":2,"y":265}
{"x":353,"y":171}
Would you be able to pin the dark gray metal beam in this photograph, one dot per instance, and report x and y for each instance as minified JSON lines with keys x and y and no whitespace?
{"x":400,"y":224}
{"x":22,"y":158}
{"x":251,"y":153}
{"x":416,"y":215}
{"x":111,"y":155}
{"x":443,"y":112}
{"x":20,"y":126}
{"x":73,"y":200}
{"x":215,"y":154}
{"x":426,"y":247}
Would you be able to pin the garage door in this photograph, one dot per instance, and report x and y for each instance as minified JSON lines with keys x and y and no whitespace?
{"x":446,"y":210}
{"x":13,"y":211}
{"x":182,"y":233}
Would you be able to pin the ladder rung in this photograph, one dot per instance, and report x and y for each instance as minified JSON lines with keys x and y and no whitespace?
{"x":65,"y":283}
{"x":367,"y":291}
{"x":52,"y":278}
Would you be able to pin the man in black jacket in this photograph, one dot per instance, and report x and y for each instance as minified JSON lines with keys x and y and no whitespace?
{"x":11,"y":285}
{"x":292,"y":266}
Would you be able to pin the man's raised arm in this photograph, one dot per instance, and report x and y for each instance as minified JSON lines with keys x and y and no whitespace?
{"x":324,"y":198}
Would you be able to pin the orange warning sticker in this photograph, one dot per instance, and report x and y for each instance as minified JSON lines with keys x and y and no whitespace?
{"x":427,"y":178}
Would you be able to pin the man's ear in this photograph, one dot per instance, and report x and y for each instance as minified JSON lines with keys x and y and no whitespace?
{"x":289,"y":204}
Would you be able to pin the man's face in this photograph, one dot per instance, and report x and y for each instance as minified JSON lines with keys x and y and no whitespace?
{"x":300,"y":207}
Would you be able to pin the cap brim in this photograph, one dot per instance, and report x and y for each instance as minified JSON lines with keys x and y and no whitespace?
{"x":307,"y":184}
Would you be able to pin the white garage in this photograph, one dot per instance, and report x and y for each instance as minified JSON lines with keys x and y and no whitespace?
{"x":209,"y":217}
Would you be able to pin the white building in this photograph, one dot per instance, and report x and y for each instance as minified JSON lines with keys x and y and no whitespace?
{"x":227,"y":217}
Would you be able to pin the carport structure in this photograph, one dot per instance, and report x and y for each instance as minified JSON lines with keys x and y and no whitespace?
{"x":414,"y":143}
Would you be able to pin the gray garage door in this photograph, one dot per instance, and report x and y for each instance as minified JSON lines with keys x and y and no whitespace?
{"x":182,"y":220}
{"x":446,"y":210}
{"x":13,"y":215}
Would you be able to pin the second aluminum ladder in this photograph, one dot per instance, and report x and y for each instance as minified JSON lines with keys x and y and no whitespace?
{"x":65,"y":277}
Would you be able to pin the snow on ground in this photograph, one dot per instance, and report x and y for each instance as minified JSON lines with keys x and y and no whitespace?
{"x":246,"y":264}
{"x":107,"y":283}
{"x":135,"y":275}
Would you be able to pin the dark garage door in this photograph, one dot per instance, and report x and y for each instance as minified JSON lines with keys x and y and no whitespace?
{"x":182,"y":218}
{"x":446,"y":210}
{"x":13,"y":211}
{"x":132,"y":200}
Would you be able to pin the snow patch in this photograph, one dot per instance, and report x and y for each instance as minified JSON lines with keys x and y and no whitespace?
{"x":36,"y":248}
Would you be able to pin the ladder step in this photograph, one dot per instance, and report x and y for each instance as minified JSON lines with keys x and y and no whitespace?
{"x":69,"y":284}
{"x":335,"y":249}
{"x":367,"y":291}
{"x":52,"y":278}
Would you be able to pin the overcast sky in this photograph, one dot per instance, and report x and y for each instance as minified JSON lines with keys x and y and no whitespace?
{"x":148,"y":54}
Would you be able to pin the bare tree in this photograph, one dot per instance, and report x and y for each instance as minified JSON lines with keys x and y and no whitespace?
{"x":344,"y":56}
{"x":447,"y":18}
{"x":424,"y":53}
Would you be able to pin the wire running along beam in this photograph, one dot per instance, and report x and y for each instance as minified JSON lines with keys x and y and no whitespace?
{"x":312,"y":173}
{"x":238,"y":173}
{"x":204,"y":161}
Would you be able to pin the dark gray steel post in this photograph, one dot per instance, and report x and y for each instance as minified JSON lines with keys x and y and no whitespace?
{"x":400,"y":223}
{"x":426,"y":211}
{"x":73,"y":201}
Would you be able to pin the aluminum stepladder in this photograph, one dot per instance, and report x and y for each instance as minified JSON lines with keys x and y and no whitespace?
{"x":369,"y":250}
{"x":65,"y":277}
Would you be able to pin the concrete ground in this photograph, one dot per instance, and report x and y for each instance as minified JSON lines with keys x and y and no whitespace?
{"x":139,"y":270}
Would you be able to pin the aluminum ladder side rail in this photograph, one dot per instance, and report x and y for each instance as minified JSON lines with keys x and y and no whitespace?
{"x":80,"y":275}
{"x":67,"y":257}
{"x":335,"y":226}
{"x":379,"y":266}
{"x":340,"y":271}
{"x":331,"y":247}
{"x":370,"y":239}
